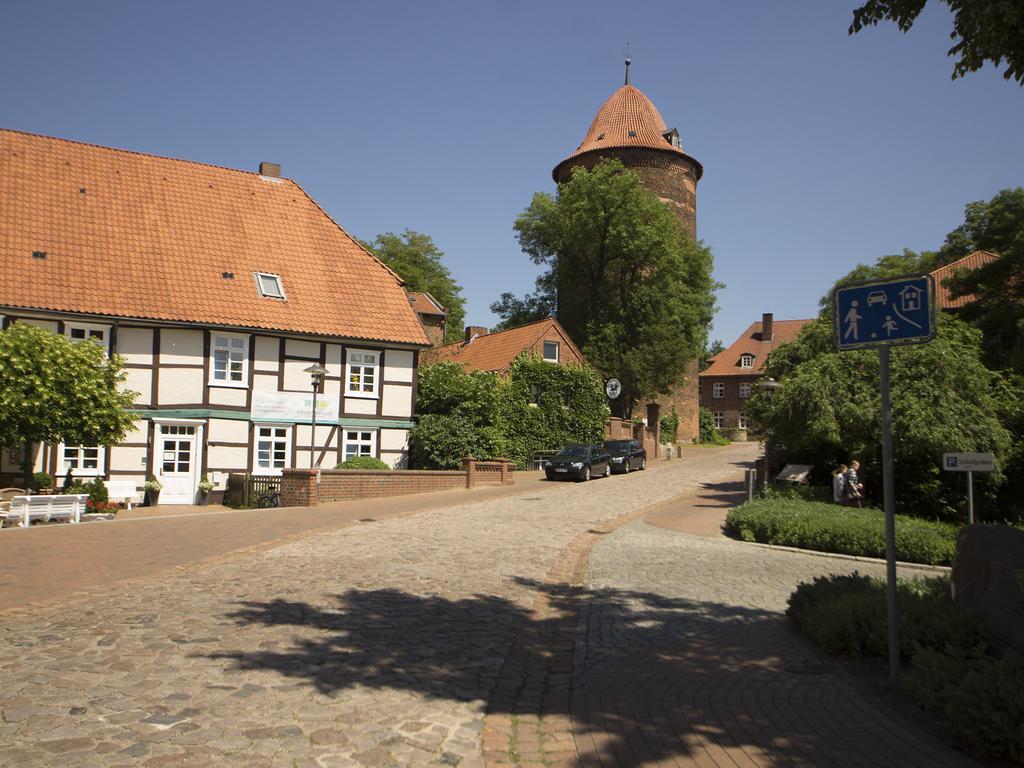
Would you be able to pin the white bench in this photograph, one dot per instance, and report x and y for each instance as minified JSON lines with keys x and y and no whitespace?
{"x":46,"y":508}
{"x":123,"y":490}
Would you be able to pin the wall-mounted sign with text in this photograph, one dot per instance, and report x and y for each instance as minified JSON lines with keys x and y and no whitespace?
{"x":294,"y":407}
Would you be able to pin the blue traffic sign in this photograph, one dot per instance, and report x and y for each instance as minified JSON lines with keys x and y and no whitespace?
{"x":881,"y":313}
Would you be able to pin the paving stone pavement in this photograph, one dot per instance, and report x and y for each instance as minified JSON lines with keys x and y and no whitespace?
{"x":368,"y":646}
{"x":682,"y":657}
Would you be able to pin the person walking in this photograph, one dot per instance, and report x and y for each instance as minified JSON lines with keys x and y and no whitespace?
{"x":854,"y":490}
{"x":839,"y":483}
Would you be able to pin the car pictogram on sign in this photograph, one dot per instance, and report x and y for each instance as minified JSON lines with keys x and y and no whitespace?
{"x":877,"y":297}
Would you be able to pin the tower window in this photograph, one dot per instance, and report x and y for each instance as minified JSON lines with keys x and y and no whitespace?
{"x":632,"y":134}
{"x":599,"y":137}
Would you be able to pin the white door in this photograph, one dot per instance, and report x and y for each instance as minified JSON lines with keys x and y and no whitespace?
{"x":178,"y":459}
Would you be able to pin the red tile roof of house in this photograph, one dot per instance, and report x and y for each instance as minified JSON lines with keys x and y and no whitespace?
{"x":727,"y":362}
{"x":128,"y":234}
{"x":425,"y":304}
{"x":627,"y":119}
{"x":943,"y":295}
{"x":496,"y":351}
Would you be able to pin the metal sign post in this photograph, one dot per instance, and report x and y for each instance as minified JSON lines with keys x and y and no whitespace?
{"x":883,"y":314}
{"x":969,"y":463}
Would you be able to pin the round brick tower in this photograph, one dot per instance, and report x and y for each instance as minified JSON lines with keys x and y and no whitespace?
{"x":629,"y":128}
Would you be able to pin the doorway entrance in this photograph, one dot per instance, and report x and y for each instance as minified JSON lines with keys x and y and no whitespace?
{"x":179,"y":447}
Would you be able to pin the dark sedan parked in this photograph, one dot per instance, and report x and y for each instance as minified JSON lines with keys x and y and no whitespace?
{"x":627,"y":455}
{"x":580,"y":462}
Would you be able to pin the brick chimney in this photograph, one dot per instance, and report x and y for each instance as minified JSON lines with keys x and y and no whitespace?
{"x":766,"y":326}
{"x":475,"y":330}
{"x":271,"y":170}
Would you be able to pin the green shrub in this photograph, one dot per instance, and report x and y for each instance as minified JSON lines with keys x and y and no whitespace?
{"x":97,"y":491}
{"x":845,"y":530}
{"x":362,"y":462}
{"x":708,"y":432}
{"x":669,"y":428}
{"x":41,"y":481}
{"x":950,"y":670}
{"x":442,"y":442}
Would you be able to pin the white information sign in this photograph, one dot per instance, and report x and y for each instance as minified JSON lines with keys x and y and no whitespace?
{"x":294,"y":406}
{"x":968,"y":462}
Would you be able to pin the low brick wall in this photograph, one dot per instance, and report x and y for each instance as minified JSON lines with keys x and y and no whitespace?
{"x":308,"y":487}
{"x":343,"y":484}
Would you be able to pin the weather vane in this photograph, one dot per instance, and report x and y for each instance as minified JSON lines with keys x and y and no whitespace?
{"x":628,"y":61}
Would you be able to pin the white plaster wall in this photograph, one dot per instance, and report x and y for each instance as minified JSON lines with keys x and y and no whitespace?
{"x":394,"y":440}
{"x":228,"y":431}
{"x":181,"y":347}
{"x":128,"y":458}
{"x":398,"y":365}
{"x":323,"y":432}
{"x":302,"y":349}
{"x":295,"y":377}
{"x":139,"y":380}
{"x":227,"y":396}
{"x":360,"y":405}
{"x":135,"y":345}
{"x":395,"y":460}
{"x":397,"y":401}
{"x":181,"y":385}
{"x":50,"y":325}
{"x":268,"y":352}
{"x":227,"y":457}
{"x":265,"y":383}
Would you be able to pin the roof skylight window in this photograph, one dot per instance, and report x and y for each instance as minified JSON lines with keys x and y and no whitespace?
{"x":632,"y":134}
{"x":270,"y":285}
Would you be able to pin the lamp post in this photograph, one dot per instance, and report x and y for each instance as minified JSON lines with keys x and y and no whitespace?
{"x":769,"y":386}
{"x":316,"y":373}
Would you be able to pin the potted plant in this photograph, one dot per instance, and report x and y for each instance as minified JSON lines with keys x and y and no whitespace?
{"x":152,"y":487}
{"x":205,"y":486}
{"x":42,"y":483}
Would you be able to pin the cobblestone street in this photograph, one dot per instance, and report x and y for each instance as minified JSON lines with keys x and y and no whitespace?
{"x":449,"y":637}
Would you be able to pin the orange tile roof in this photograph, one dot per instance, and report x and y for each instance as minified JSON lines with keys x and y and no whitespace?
{"x":496,"y":351}
{"x":128,"y":234}
{"x":943,"y":295}
{"x":627,"y":119}
{"x":727,"y":362}
{"x":425,"y":304}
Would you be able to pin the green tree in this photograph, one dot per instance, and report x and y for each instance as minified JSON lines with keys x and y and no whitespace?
{"x":418,"y":261}
{"x":892,"y":265}
{"x":627,"y":282}
{"x":710,"y":350}
{"x":826,"y":411}
{"x":55,"y":391}
{"x":996,"y":226}
{"x":983,"y":30}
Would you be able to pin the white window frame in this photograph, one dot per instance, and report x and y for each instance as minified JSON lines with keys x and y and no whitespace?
{"x":359,"y":369}
{"x":258,"y":277}
{"x":98,"y":471}
{"x":243,"y":383}
{"x":271,"y":471}
{"x":360,"y":442}
{"x":743,"y":420}
{"x":558,"y":350}
{"x":745,"y":390}
{"x":718,"y":390}
{"x":719,"y":417}
{"x":87,"y":329}
{"x":746,"y":360}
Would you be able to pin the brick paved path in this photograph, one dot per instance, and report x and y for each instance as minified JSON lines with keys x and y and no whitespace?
{"x":376,"y":644}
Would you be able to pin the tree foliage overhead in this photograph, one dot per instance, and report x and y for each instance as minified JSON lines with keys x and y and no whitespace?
{"x":418,"y":261}
{"x":826,"y":408}
{"x":983,"y":30}
{"x":53,"y":390}
{"x":623,"y":277}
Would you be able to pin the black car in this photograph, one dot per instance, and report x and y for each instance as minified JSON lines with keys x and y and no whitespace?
{"x":627,"y":455}
{"x":580,"y":462}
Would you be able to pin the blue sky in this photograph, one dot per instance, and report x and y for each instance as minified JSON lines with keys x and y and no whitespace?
{"x":820,"y":150}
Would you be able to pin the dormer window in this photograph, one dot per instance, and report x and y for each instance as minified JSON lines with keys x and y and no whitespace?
{"x":269,"y":285}
{"x":746,"y":360}
{"x":672,"y":137}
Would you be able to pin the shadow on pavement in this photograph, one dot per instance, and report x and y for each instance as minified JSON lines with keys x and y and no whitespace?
{"x":659,"y":678}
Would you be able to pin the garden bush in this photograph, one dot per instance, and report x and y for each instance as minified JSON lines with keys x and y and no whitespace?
{"x":708,"y":432}
{"x":844,"y":530}
{"x":669,"y":428}
{"x":362,"y":462}
{"x":950,"y":669}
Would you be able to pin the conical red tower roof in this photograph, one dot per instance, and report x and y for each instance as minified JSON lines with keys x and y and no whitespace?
{"x":627,"y":119}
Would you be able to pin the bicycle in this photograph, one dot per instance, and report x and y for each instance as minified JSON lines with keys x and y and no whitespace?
{"x":269,"y":500}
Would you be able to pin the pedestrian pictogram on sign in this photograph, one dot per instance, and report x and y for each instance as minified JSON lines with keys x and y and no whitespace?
{"x":880,"y":313}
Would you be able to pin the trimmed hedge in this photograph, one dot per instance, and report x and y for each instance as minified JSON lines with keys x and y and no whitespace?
{"x":950,"y":668}
{"x":362,"y":462}
{"x":844,"y":530}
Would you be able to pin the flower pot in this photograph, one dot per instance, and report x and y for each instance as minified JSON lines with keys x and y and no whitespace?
{"x":152,"y":498}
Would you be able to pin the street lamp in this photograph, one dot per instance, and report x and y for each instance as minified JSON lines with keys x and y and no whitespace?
{"x":769,"y":386}
{"x":316,"y":373}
